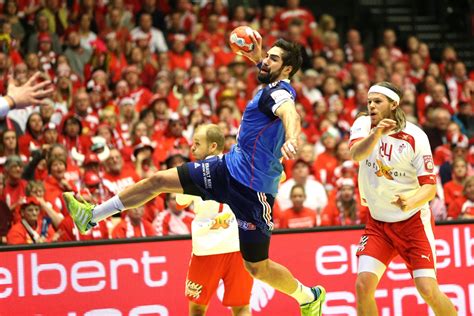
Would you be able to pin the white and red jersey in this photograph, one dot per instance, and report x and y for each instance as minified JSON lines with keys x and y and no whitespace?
{"x":116,"y":183}
{"x":399,"y":164}
{"x":209,"y":237}
{"x":170,"y":223}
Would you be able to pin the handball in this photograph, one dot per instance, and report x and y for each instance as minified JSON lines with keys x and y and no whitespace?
{"x":240,"y":39}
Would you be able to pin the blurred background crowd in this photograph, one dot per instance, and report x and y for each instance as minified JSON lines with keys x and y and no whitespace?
{"x":133,"y":79}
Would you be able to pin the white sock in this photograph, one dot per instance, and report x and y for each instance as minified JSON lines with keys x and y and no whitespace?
{"x":303,"y":294}
{"x":106,"y":209}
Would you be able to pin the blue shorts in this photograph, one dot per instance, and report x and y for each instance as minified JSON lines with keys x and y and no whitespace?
{"x":210,"y":179}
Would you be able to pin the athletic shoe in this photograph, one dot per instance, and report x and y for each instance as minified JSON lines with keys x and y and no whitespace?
{"x":81,"y":213}
{"x":314,"y":308}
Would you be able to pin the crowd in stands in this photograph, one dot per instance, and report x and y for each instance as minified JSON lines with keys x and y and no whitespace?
{"x":133,"y":79}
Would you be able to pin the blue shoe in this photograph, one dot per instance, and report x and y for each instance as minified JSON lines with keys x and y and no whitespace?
{"x":81,"y":213}
{"x":314,"y":308}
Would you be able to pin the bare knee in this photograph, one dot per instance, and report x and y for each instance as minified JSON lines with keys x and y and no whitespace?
{"x":257,"y":270}
{"x":196,"y":309}
{"x":241,"y":310}
{"x":366,"y":284}
{"x":427,"y":290}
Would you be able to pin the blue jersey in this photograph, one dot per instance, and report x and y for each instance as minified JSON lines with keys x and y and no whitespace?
{"x":255,"y":160}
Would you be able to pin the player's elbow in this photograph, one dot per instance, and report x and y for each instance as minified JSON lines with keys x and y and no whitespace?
{"x":297,"y":117}
{"x":431,"y":191}
{"x":356,"y":155}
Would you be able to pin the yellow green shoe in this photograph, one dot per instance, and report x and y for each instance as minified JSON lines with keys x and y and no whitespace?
{"x":315,"y":308}
{"x":81,"y":212}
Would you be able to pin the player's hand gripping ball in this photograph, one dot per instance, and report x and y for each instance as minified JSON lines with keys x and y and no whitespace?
{"x":240,"y":39}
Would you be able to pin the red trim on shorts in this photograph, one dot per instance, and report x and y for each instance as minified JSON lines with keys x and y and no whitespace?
{"x":427,"y":179}
{"x":406,"y":137}
{"x":353,"y":141}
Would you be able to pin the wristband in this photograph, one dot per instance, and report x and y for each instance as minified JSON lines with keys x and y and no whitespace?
{"x":13,"y":101}
{"x":259,"y":65}
{"x":4,"y":107}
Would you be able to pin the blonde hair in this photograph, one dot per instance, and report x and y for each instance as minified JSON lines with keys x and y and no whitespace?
{"x":467,"y":182}
{"x":33,"y":184}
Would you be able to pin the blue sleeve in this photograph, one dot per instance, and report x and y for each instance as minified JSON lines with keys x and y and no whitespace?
{"x":266,"y":103}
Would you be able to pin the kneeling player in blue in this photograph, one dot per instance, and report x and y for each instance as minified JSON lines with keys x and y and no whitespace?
{"x":246,"y":178}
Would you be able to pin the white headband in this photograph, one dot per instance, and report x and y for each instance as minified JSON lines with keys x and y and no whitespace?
{"x":386,"y":92}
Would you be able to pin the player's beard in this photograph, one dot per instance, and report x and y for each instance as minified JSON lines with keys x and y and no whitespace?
{"x":269,"y":77}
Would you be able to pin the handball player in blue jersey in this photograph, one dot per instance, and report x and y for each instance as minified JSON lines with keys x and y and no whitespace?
{"x":246,"y":178}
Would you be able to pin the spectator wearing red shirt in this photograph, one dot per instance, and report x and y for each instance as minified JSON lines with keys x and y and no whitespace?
{"x":115,"y":29}
{"x":212,"y":34}
{"x":84,"y":111}
{"x":345,"y":165}
{"x":343,"y":208}
{"x":147,"y":64}
{"x":438,"y":100}
{"x":62,"y":95}
{"x":56,"y":184}
{"x":118,"y":176}
{"x":31,"y":229}
{"x":36,"y":189}
{"x":463,"y":207}
{"x":142,"y":157}
{"x":4,"y":71}
{"x":389,"y":41}
{"x":459,"y":147}
{"x":127,"y":118}
{"x":172,"y":139}
{"x":453,"y":189}
{"x":72,"y":173}
{"x":298,"y":216}
{"x":454,"y":137}
{"x":47,"y":56}
{"x":31,"y":139}
{"x":456,"y":82}
{"x":116,"y":57}
{"x":133,"y":225}
{"x":218,"y":8}
{"x":417,"y":70}
{"x":292,"y":12}
{"x":326,"y":161}
{"x":50,"y":134}
{"x":140,"y":94}
{"x":306,"y":153}
{"x":72,"y":132}
{"x":424,"y":52}
{"x":68,"y":231}
{"x":178,"y":56}
{"x":14,"y":191}
{"x":353,"y":42}
{"x":8,"y":147}
{"x":187,"y":19}
{"x":173,"y":220}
